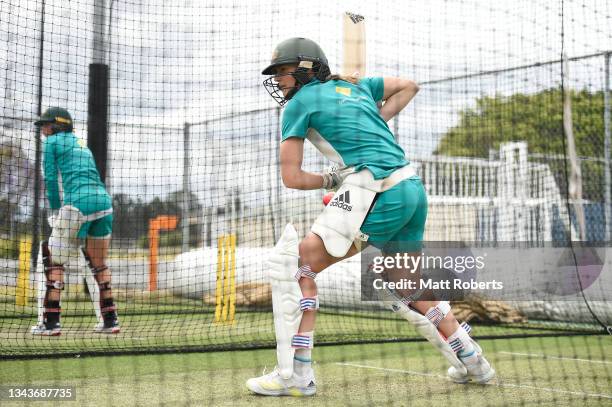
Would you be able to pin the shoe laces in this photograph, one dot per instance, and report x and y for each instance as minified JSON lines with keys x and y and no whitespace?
{"x":274,"y":372}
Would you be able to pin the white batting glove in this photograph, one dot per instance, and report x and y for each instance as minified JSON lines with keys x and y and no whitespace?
{"x":334,"y":176}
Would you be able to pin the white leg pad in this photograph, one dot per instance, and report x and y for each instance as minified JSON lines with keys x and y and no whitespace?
{"x":92,"y":284}
{"x":41,"y":287}
{"x":94,"y":293}
{"x":286,"y":295}
{"x":63,"y":239}
{"x":424,"y":327}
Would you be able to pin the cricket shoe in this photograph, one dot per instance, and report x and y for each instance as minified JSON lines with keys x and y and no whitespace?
{"x":110,"y":328}
{"x":480,"y":371}
{"x":272,"y":384}
{"x":43,"y":330}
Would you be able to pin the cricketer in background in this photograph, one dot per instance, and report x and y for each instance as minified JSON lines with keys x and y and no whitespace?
{"x":84,"y":212}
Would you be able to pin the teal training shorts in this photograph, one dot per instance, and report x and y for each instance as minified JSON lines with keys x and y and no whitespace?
{"x":101,"y":227}
{"x":97,"y":229}
{"x":396,"y":223}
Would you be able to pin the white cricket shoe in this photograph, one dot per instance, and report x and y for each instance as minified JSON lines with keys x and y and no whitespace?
{"x":42,"y":330}
{"x":480,"y":371}
{"x":272,"y":384}
{"x":113,"y":328}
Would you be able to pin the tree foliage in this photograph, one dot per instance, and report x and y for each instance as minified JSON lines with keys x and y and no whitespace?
{"x":534,"y":118}
{"x":538,"y":120}
{"x":131,"y":215}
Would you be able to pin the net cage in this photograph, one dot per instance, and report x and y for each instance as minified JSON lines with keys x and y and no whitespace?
{"x":510,"y":134}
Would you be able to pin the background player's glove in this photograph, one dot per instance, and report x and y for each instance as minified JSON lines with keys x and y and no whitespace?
{"x":52,"y":217}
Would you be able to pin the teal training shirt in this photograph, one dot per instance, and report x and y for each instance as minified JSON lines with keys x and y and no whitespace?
{"x":342,"y":121}
{"x":67,"y":156}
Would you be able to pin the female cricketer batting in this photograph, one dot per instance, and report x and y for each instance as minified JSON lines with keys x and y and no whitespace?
{"x":85,"y":212}
{"x":379,"y":196}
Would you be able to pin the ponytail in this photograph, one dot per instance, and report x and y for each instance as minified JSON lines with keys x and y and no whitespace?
{"x":61,"y":128}
{"x":354,"y":79}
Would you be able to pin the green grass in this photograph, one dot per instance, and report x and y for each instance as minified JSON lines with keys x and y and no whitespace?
{"x":409,"y":374}
{"x":405,"y":373}
{"x":191,"y":326}
{"x":159,"y":320}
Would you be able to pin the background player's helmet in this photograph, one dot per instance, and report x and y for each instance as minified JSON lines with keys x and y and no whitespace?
{"x":58,"y":117}
{"x":301,"y":51}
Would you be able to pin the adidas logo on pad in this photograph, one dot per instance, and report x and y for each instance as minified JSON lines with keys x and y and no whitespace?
{"x":342,"y":201}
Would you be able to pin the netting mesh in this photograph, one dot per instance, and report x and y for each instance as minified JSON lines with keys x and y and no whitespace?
{"x":193,"y":135}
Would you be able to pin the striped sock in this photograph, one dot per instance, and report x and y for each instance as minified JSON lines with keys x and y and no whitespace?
{"x":303,"y":343}
{"x":301,"y":367}
{"x":302,"y":362}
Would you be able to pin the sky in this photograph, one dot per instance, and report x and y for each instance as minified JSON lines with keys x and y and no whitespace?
{"x":174,"y":62}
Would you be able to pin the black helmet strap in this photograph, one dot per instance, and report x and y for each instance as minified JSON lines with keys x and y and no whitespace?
{"x":302,"y":77}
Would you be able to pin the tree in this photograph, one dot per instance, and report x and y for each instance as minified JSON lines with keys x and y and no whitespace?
{"x":535,"y":118}
{"x":128,"y":219}
{"x":131,"y":216}
{"x":538,"y":120}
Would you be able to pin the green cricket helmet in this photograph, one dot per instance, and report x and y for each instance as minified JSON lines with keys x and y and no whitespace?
{"x":304,"y":53}
{"x":58,"y":116}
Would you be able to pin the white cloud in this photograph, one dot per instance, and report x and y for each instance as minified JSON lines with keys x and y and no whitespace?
{"x":175,"y":61}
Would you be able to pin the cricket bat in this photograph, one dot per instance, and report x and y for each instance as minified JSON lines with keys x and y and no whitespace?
{"x":354,"y":45}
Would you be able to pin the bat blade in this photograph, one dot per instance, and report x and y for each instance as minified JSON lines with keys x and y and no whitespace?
{"x":354,"y":44}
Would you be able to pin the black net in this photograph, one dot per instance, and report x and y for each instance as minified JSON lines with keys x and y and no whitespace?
{"x":510,"y":133}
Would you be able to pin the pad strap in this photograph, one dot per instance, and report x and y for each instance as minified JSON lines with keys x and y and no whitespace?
{"x":302,"y":341}
{"x":109,"y":309}
{"x":456,"y":345}
{"x":466,"y":327}
{"x":59,"y":285}
{"x":309,"y":303}
{"x":105,"y":286}
{"x":49,"y":269}
{"x":457,"y":340}
{"x":305,"y":271}
{"x":97,"y":270}
{"x":437,"y":313}
{"x":94,"y":270}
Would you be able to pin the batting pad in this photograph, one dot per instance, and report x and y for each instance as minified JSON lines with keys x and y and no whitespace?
{"x":423,"y":326}
{"x":63,"y":239}
{"x":286,"y":295}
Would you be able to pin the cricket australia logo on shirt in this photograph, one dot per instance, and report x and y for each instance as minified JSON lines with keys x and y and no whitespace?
{"x":343,"y":91}
{"x":348,"y":96}
{"x":342,"y":201}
